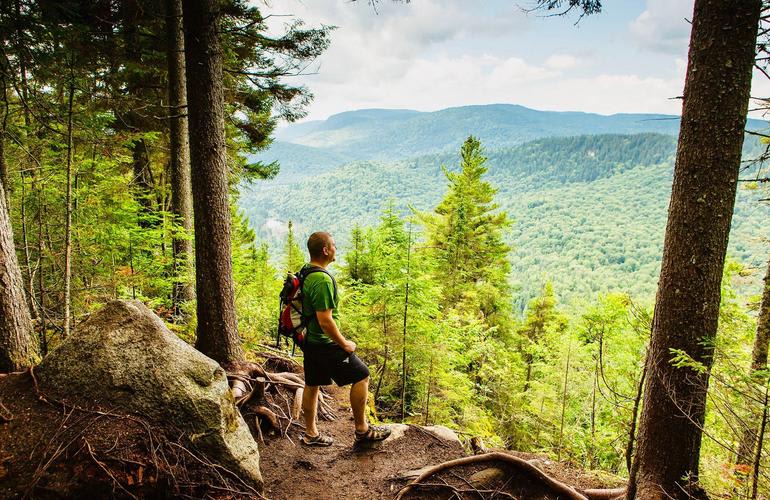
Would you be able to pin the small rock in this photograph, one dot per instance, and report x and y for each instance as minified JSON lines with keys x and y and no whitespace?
{"x":397,"y":431}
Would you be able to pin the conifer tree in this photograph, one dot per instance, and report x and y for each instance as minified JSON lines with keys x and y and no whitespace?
{"x":466,"y":234}
{"x":18,"y":348}
{"x":293,"y":253}
{"x":541,"y":317}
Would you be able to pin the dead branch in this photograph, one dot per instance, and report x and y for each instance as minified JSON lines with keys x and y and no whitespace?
{"x":5,"y":414}
{"x":562,"y":489}
{"x":457,"y":491}
{"x":107,"y":471}
{"x":259,"y":430}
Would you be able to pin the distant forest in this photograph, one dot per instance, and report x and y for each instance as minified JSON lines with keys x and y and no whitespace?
{"x":588,"y":212}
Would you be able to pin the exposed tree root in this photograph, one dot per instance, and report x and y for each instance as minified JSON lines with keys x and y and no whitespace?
{"x":266,"y":414}
{"x":560,"y":489}
{"x":296,"y":404}
{"x":609,"y":494}
{"x":274,"y":397}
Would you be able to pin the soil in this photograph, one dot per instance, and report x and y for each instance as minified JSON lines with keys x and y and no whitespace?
{"x":292,"y":470}
{"x":51,"y":449}
{"x":54,"y":450}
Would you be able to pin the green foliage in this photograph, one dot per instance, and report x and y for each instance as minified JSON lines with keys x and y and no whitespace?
{"x":294,"y":258}
{"x":589,"y":212}
{"x":256,"y":285}
{"x":465,"y":235}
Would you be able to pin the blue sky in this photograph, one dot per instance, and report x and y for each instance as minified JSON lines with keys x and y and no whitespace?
{"x":433,"y":54}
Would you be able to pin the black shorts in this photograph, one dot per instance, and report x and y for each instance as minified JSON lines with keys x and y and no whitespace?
{"x":324,"y":363}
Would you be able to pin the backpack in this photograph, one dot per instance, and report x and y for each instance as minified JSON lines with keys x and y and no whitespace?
{"x":292,"y":324}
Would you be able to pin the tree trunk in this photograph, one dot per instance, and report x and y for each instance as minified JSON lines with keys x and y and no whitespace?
{"x":385,"y":357}
{"x":758,"y":453}
{"x":29,"y":279}
{"x":634,"y":418}
{"x":3,"y":125}
{"x":428,"y":390}
{"x":17,"y":343}
{"x":40,"y":275}
{"x":217,"y":326}
{"x":406,"y":315}
{"x":68,"y":217}
{"x":181,"y":194}
{"x":716,"y":97}
{"x":564,"y":402}
{"x":4,"y":170}
{"x":758,"y":362}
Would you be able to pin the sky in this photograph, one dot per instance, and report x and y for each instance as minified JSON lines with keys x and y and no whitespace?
{"x":434,"y":54}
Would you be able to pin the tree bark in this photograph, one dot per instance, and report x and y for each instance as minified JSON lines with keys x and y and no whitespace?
{"x":29,"y":278}
{"x":181,"y":192}
{"x":758,"y":362}
{"x":3,"y":124}
{"x":18,"y":348}
{"x":217,"y":325}
{"x":68,"y":217}
{"x":716,"y":96}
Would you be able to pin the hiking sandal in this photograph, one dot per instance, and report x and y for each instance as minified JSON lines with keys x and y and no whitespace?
{"x":373,"y":434}
{"x":319,"y":440}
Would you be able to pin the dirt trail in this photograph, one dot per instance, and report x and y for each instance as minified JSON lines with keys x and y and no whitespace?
{"x":55,"y":451}
{"x":294,"y":471}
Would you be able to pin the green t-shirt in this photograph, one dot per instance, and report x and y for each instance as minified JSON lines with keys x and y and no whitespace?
{"x":318,"y":290}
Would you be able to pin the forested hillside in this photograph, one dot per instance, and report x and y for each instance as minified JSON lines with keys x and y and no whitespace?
{"x":588,"y":211}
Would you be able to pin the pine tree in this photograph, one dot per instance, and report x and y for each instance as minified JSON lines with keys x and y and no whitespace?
{"x":716,"y":96}
{"x":541,"y":318}
{"x":292,"y":251}
{"x":466,"y":234}
{"x":217,"y":334}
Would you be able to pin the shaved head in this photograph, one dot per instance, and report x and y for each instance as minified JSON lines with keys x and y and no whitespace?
{"x":317,"y":242}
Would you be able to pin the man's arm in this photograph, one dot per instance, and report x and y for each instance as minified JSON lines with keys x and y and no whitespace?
{"x":329,"y":327}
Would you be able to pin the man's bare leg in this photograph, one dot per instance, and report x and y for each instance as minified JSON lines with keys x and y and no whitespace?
{"x":359,"y":392}
{"x":310,"y":408}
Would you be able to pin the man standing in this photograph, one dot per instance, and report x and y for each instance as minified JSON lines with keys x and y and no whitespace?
{"x":328,"y":355}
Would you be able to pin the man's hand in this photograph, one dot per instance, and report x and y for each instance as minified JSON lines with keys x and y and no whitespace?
{"x":349,"y":346}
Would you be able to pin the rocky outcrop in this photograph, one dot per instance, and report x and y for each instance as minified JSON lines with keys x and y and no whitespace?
{"x":124,"y":358}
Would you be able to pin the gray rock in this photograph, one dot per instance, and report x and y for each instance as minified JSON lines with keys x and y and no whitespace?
{"x":444,"y":433}
{"x":397,"y":431}
{"x":124,"y":357}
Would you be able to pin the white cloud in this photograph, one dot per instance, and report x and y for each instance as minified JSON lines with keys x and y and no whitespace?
{"x":663,"y":26}
{"x":431,"y":84}
{"x":562,"y":61}
{"x":432,"y":54}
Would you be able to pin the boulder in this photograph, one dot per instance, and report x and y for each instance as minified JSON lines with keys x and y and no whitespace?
{"x":125,"y":358}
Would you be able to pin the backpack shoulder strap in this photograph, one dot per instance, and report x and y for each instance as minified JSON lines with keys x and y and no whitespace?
{"x":306,"y":271}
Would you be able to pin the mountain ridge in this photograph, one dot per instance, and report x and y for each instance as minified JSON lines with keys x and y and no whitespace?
{"x":396,"y":134}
